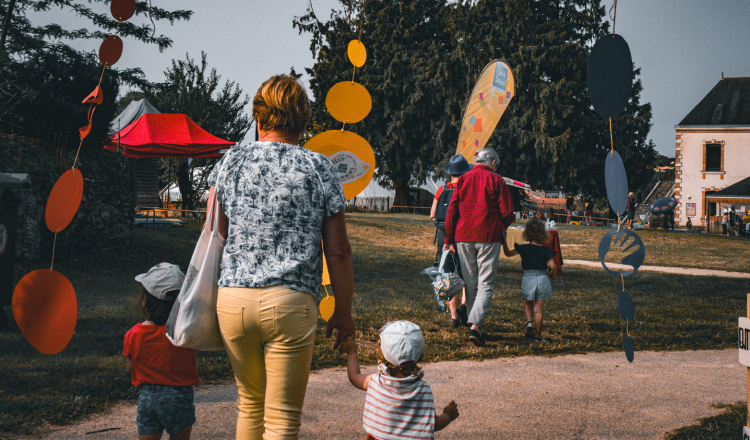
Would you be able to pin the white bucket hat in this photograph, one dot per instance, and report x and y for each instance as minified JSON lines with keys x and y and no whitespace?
{"x":162,"y":278}
{"x":401,"y":341}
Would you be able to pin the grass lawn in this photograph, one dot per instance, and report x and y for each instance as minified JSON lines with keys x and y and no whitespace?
{"x":726,"y":425}
{"x":672,"y":312}
{"x":665,"y":248}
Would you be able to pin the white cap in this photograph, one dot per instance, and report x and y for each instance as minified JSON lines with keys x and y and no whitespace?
{"x":401,"y":341}
{"x":162,"y":278}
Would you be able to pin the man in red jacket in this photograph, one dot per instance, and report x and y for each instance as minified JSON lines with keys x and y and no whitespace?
{"x":479,"y":212}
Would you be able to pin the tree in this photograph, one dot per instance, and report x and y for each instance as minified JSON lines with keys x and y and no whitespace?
{"x":43,"y":80}
{"x":190,"y":88}
{"x":550,"y":136}
{"x":406,"y":46}
{"x":424,"y":58}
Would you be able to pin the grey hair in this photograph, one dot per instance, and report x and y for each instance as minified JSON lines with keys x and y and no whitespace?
{"x":485,"y":156}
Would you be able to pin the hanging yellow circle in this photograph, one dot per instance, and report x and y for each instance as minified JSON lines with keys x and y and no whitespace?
{"x":327,"y":306}
{"x":350,"y":154}
{"x":348,"y":102}
{"x":357,"y":53}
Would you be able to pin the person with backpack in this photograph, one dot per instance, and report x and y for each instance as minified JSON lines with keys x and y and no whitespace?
{"x":457,"y":166}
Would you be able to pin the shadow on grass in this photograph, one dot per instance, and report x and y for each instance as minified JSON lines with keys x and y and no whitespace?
{"x":672,"y":312}
{"x":726,"y":425}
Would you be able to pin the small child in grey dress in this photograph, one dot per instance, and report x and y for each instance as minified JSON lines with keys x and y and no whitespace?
{"x":539,"y":268}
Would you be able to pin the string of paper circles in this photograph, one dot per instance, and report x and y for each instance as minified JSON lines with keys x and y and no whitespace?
{"x":44,"y":301}
{"x":610,"y":81}
{"x":348,"y":102}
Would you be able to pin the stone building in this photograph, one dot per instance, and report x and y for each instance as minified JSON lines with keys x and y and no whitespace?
{"x":712,"y":150}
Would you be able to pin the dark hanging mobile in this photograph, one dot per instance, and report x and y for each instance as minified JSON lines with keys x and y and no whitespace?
{"x":610,"y":82}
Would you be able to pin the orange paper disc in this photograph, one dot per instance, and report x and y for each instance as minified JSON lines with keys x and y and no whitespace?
{"x":64,"y":200}
{"x":110,"y":50}
{"x":348,"y":102}
{"x":95,"y":97}
{"x":46,"y":310}
{"x":327,"y":306}
{"x":357,"y":53}
{"x":122,"y":9}
{"x":351,"y":155}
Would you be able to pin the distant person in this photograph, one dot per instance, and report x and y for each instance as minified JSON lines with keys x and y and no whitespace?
{"x":630,"y":210}
{"x":588,"y":210}
{"x":165,"y":373}
{"x":746,"y":223}
{"x":538,"y":265}
{"x":732,"y":221}
{"x":457,"y":166}
{"x":186,"y":188}
{"x":724,"y":224}
{"x":570,"y":205}
{"x":399,"y":403}
{"x":480,"y":211}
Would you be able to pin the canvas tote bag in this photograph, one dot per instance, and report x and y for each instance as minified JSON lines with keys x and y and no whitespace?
{"x":193,"y":322}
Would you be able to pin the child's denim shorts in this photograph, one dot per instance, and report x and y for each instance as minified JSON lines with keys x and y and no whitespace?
{"x":535,"y":285}
{"x":162,"y":407}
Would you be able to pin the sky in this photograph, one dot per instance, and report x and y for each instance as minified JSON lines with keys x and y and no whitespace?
{"x":681,"y":46}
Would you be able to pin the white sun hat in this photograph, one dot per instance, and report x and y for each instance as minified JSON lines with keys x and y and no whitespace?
{"x":401,"y":341}
{"x":162,"y":278}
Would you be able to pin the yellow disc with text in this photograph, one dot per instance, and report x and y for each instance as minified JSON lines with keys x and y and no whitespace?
{"x":350,"y":154}
{"x":327,"y":306}
{"x":357,"y":53}
{"x":348,"y":102}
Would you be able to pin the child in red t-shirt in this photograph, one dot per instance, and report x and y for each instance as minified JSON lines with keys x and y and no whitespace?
{"x":165,"y":373}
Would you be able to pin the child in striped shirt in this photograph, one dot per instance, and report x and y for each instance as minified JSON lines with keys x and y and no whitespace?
{"x":398,"y":404}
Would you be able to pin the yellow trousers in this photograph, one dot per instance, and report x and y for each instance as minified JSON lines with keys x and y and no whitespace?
{"x":269,"y":335}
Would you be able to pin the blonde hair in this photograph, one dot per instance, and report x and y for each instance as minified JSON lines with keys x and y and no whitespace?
{"x":282,"y":104}
{"x":406,"y":369}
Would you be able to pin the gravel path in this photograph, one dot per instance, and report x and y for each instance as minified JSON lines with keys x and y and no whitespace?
{"x":590,"y":396}
{"x":677,"y":270}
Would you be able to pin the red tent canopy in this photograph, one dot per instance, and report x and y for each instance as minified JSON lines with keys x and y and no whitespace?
{"x":166,"y":135}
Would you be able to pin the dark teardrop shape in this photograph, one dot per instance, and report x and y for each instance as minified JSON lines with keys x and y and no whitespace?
{"x":629,"y":352}
{"x":610,"y":76}
{"x":625,"y":305}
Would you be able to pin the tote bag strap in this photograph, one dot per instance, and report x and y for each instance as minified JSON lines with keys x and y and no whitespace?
{"x":212,"y":216}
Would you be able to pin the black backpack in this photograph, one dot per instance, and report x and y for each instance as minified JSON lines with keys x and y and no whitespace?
{"x":441,"y":212}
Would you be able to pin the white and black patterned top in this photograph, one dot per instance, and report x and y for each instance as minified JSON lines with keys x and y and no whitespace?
{"x":276,"y":196}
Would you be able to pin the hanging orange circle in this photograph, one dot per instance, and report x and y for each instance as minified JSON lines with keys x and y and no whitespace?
{"x":357,"y":53}
{"x":327,"y":306}
{"x":46,"y":310}
{"x":348,"y":102}
{"x":111,"y":50}
{"x":350,"y":154}
{"x":64,"y":200}
{"x":122,"y":9}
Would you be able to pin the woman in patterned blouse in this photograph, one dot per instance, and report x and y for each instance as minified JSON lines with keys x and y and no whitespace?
{"x":277,"y":201}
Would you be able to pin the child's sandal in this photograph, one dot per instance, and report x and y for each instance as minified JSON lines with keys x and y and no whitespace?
{"x":455,"y":323}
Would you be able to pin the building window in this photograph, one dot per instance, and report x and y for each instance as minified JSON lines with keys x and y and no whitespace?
{"x":713,"y":157}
